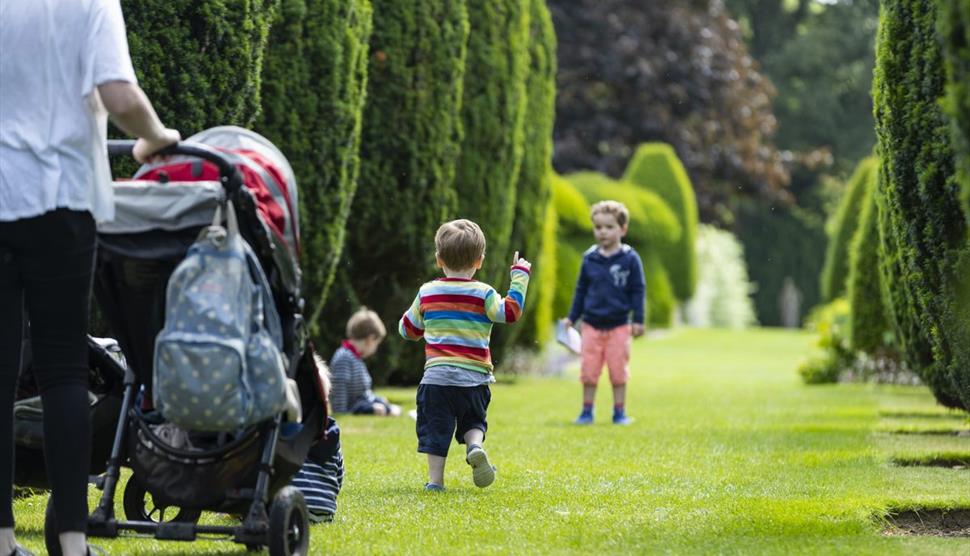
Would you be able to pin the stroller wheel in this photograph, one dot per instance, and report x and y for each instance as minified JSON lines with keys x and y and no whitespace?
{"x":289,"y":524}
{"x":140,"y":506}
{"x":51,"y":540}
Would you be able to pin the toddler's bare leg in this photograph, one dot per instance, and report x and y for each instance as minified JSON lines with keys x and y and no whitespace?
{"x":474,"y":437}
{"x":619,"y":395}
{"x":436,"y":470}
{"x":589,"y":394}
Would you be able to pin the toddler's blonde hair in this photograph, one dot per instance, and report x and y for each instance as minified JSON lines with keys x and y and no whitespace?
{"x":616,"y":208}
{"x":460,"y":244}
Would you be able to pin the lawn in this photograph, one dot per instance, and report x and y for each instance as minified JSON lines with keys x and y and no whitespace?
{"x":729,"y":453}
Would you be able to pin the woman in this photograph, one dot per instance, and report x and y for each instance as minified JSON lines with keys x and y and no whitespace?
{"x":63,"y":65}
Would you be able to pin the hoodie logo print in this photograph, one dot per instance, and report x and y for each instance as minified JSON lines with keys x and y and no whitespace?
{"x":619,"y":275}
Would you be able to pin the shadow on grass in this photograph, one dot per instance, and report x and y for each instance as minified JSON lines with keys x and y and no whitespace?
{"x":952,"y":460}
{"x":938,"y":522}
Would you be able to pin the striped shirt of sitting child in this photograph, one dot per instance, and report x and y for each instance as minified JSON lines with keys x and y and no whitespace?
{"x":455,"y":317}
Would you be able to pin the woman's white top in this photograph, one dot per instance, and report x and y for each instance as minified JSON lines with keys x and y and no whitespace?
{"x":53,"y":55}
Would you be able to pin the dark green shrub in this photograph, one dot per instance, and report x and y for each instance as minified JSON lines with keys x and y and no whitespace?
{"x":409,"y":145}
{"x":313,"y":89}
{"x":869,"y":329}
{"x":532,"y":229}
{"x":653,"y":228}
{"x":843,"y":227}
{"x":200,"y":62}
{"x":655,"y":166}
{"x":493,"y":114}
{"x":779,"y":242}
{"x":921,"y":224}
{"x":954,"y":27}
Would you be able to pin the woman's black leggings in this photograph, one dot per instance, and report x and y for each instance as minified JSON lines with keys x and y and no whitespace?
{"x":46,"y":265}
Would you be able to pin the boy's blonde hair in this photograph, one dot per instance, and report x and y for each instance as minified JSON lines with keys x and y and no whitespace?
{"x":460,"y":244}
{"x":365,"y":323}
{"x":616,"y":208}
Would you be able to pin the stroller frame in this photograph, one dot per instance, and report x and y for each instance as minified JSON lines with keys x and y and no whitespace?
{"x":281,"y":523}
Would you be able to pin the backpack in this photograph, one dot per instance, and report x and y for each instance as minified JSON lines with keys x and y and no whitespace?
{"x":218,"y":360}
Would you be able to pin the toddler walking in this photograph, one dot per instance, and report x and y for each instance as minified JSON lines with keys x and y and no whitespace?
{"x":454,"y":315}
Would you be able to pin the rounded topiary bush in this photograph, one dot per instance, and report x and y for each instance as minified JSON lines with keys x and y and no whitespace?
{"x":921,"y":223}
{"x":722,"y":297}
{"x":410,"y":142}
{"x":842,"y":229}
{"x":869,"y":329}
{"x":655,"y":167}
{"x":313,"y":90}
{"x":493,"y":115}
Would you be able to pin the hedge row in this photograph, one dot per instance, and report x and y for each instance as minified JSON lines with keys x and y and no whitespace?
{"x":921,"y":224}
{"x":843,"y":227}
{"x":493,"y":114}
{"x":655,"y":167}
{"x":410,"y":143}
{"x":313,"y":89}
{"x":533,"y":209}
{"x":869,"y":329}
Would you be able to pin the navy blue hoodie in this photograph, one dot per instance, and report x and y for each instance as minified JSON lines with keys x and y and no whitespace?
{"x":609,"y":289}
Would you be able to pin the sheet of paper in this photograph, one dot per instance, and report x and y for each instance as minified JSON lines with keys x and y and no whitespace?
{"x":569,"y":337}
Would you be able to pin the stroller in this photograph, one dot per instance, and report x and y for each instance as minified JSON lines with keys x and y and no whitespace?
{"x":159,"y":214}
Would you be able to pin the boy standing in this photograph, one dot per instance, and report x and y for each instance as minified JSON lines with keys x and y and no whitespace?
{"x":351,"y":391}
{"x":610,"y":287}
{"x":454,"y":315}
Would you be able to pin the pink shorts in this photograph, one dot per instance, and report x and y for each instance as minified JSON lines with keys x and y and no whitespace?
{"x":611,"y":347}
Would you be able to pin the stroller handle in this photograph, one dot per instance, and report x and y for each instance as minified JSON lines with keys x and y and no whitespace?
{"x":230,"y":177}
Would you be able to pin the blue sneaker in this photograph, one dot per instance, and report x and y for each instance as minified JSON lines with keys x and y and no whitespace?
{"x":432,"y":487}
{"x":621,"y":419}
{"x":584,"y":419}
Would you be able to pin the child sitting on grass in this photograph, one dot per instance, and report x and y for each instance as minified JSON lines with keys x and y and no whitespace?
{"x":351,"y":380}
{"x":454,"y":315}
{"x":610,"y":287}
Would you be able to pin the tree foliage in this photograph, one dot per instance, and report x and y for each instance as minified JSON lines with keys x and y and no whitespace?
{"x":313,"y":90}
{"x":922,"y":227}
{"x":669,"y":71}
{"x":493,"y":115}
{"x":534,"y":211}
{"x":843,"y":228}
{"x":200,"y":62}
{"x":409,"y":145}
{"x":655,"y":167}
{"x":869,"y":329}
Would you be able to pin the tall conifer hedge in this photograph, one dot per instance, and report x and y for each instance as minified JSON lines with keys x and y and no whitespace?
{"x":844,"y":224}
{"x":493,"y":114}
{"x":868,"y":323}
{"x":409,"y":145}
{"x":313,"y":90}
{"x":655,"y":167}
{"x":922,"y":226}
{"x":533,"y":229}
{"x":200,"y":62}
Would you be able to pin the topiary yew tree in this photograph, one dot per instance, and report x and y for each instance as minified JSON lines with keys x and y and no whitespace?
{"x":868,"y":323}
{"x":655,"y":167}
{"x":313,"y":90}
{"x":845,"y":222}
{"x":922,"y":227}
{"x":200,"y":62}
{"x":409,"y":145}
{"x":534,"y":226}
{"x":493,"y":115}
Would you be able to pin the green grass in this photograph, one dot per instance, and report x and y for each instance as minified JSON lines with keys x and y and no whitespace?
{"x":729,"y":454}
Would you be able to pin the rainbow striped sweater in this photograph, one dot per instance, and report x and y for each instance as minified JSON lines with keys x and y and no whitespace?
{"x":455,"y":317}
